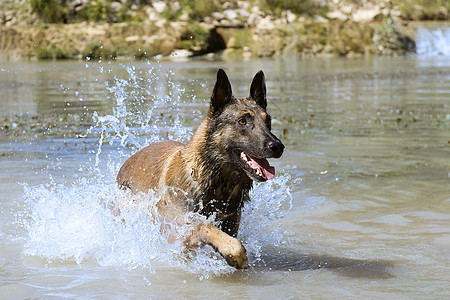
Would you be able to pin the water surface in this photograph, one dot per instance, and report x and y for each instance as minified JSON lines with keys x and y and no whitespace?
{"x":360,"y":206}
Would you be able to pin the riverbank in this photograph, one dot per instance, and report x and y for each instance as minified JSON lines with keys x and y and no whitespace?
{"x":178,"y":40}
{"x":238,"y":30}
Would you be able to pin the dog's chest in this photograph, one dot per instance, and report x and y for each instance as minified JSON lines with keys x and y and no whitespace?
{"x":224,"y":195}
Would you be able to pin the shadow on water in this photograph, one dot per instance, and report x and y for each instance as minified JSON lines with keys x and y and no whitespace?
{"x":286,"y":260}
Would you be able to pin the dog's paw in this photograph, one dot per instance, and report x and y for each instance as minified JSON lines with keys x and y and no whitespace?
{"x":235,"y":254}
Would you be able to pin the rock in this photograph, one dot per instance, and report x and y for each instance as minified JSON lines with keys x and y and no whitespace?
{"x":150,"y":40}
{"x":218,"y":15}
{"x":175,"y":5}
{"x":443,"y":13}
{"x":265,"y":24}
{"x":246,"y":55}
{"x":232,"y":43}
{"x":365,"y":15}
{"x":185,"y":17}
{"x":180,"y":26}
{"x":256,"y":10}
{"x":395,"y":13}
{"x":337,"y":14}
{"x":267,"y":43}
{"x":152,"y":14}
{"x":242,"y":13}
{"x":161,"y":23}
{"x":7,"y":18}
{"x":131,"y":39}
{"x":286,"y":18}
{"x":347,"y":9}
{"x":253,"y":19}
{"x":320,"y":19}
{"x":385,"y":11}
{"x":227,"y":5}
{"x":207,"y":20}
{"x":230,"y":14}
{"x":225,"y":23}
{"x":77,"y":5}
{"x":243,"y":4}
{"x":290,"y":17}
{"x":180,"y":55}
{"x":167,"y":45}
{"x":116,"y":6}
{"x":159,"y":6}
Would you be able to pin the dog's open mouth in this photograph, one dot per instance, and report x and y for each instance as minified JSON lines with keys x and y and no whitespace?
{"x":260,"y":169}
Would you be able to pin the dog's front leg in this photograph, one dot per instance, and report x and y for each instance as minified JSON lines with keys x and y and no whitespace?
{"x":229,"y":247}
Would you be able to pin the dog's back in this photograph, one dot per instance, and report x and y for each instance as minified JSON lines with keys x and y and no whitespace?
{"x":148,"y":168}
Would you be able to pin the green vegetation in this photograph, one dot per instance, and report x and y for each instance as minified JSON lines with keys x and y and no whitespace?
{"x":389,"y":40}
{"x":107,"y":11}
{"x":98,"y":51}
{"x":55,"y":11}
{"x":50,"y":11}
{"x":52,"y":52}
{"x":424,"y":9}
{"x":345,"y":38}
{"x":298,"y":7}
{"x":238,"y":38}
{"x":195,"y":38}
{"x":97,"y":11}
{"x":130,"y":29}
{"x":318,"y":38}
{"x":199,"y":9}
{"x":170,"y":13}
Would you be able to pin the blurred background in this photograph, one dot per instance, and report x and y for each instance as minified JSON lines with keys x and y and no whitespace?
{"x":65,"y":29}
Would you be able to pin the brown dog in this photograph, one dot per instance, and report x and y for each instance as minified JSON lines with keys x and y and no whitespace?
{"x":214,"y":170}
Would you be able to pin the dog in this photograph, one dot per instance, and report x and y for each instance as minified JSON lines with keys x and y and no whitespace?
{"x":212,"y":174}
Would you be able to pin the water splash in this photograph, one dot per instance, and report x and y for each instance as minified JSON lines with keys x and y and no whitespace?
{"x":433,"y":42}
{"x":262,"y":217}
{"x":74,"y":221}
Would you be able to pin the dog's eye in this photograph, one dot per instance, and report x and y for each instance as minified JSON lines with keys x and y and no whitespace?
{"x":242,"y":121}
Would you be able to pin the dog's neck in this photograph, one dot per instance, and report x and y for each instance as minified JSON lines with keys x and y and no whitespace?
{"x":219,"y":187}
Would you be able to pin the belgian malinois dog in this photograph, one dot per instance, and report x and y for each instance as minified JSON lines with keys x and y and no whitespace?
{"x":215,"y":170}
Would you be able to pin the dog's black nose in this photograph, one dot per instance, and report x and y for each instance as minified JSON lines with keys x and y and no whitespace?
{"x":277,"y":148}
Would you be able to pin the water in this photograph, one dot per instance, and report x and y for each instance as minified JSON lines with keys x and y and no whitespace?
{"x":433,"y":41}
{"x":360,"y":206}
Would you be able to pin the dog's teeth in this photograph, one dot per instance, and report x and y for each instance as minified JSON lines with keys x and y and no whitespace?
{"x":258,"y":172}
{"x":244,"y":157}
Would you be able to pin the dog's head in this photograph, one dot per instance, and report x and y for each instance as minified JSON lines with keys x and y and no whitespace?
{"x":240,"y":129}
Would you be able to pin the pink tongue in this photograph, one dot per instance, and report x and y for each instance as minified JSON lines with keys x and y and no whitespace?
{"x":267,"y":171}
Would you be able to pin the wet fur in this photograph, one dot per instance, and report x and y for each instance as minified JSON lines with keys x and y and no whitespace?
{"x":207,"y":169}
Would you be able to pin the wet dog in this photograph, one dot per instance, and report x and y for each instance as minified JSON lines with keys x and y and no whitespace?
{"x":215,"y":170}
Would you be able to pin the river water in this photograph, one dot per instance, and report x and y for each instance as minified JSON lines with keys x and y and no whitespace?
{"x":360,"y":206}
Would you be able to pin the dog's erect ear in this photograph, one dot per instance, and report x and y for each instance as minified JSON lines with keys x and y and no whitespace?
{"x":258,"y":89}
{"x":222,"y":93}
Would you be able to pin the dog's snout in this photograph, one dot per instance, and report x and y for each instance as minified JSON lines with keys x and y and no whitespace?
{"x":277,"y":147}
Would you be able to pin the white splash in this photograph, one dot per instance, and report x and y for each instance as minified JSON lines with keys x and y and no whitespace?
{"x":433,"y":42}
{"x":74,"y":222}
